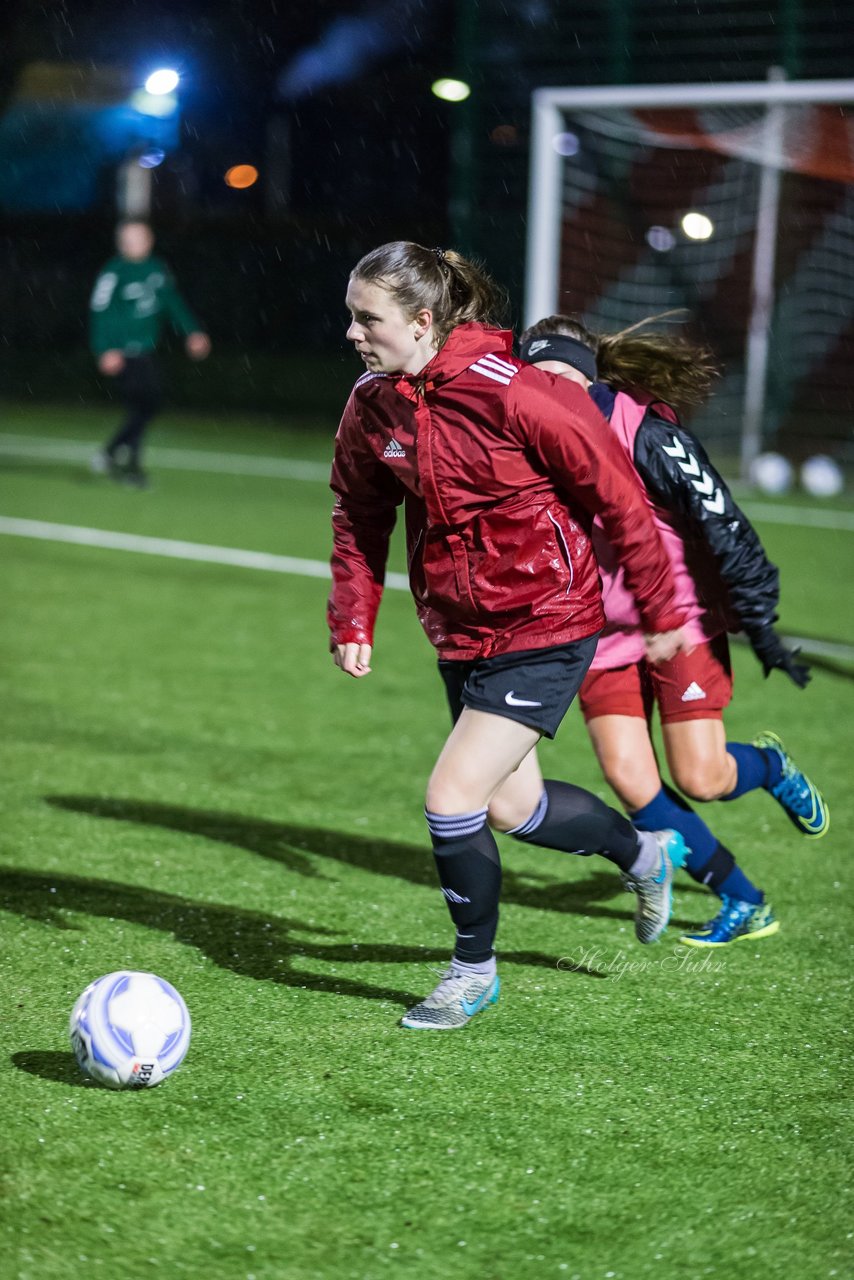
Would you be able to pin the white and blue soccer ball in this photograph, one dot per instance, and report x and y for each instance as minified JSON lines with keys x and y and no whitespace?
{"x":822,"y":477}
{"x":771,"y":473}
{"x":130,"y":1030}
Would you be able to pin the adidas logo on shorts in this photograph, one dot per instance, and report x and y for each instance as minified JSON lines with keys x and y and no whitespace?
{"x":693,"y":693}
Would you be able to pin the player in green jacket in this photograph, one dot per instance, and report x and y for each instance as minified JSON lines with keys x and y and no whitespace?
{"x":132,"y":296}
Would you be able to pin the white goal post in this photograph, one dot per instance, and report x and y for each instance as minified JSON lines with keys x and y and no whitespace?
{"x":553,"y":107}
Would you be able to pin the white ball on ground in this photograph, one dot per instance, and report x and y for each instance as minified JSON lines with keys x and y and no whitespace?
{"x":771,"y":473}
{"x":822,"y":477}
{"x":130,"y":1030}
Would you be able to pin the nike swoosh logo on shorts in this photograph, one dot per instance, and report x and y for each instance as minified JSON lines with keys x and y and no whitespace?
{"x":512,"y":701}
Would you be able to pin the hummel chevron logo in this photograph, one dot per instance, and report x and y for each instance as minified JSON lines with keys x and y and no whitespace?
{"x":512,"y":701}
{"x":394,"y":449}
{"x":693,"y":693}
{"x":687,"y":461}
{"x":704,"y":484}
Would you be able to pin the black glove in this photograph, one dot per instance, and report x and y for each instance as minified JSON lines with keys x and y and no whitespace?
{"x":771,"y":652}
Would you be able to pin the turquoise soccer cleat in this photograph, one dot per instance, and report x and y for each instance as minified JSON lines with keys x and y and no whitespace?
{"x":802,"y":802}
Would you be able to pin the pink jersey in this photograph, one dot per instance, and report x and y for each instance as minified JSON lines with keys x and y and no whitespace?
{"x":622,"y":640}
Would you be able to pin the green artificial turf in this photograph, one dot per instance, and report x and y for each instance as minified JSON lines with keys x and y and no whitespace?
{"x":191,"y":788}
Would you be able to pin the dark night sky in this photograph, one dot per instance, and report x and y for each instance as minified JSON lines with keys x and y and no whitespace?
{"x":368,"y":156}
{"x":231,"y":55}
{"x":228,"y":61}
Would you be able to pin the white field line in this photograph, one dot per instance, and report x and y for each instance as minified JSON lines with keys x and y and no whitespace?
{"x":176,"y":549}
{"x":822,"y":648}
{"x":814,"y":517}
{"x":47,"y":449}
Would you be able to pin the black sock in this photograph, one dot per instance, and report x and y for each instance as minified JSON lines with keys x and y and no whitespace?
{"x":470,"y":875}
{"x":575,"y":821}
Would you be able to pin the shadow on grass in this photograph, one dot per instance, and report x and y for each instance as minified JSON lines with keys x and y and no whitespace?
{"x":50,"y":1064}
{"x":298,"y":848}
{"x":252,"y":944}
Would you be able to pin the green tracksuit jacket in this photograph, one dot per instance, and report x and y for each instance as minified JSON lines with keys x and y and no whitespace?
{"x":129,"y":303}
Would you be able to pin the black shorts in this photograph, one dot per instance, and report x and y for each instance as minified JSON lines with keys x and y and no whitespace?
{"x":533,"y":686}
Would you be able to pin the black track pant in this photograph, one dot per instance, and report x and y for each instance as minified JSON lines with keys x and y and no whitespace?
{"x":141,"y":393}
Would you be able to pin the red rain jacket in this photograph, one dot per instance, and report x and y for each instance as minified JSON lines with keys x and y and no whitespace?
{"x":501,"y":468}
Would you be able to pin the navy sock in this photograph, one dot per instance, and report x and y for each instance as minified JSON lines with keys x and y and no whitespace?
{"x":756,"y":766}
{"x":469,"y":870}
{"x":573,"y":820}
{"x":709,"y":862}
{"x":737,"y":885}
{"x":669,"y":810}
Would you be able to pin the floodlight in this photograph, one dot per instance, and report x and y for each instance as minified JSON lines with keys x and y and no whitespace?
{"x":162,"y":81}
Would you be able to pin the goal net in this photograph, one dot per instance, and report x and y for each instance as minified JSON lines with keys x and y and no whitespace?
{"x":734,"y":203}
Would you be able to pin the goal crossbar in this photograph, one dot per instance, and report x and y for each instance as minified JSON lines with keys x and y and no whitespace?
{"x":548,"y":105}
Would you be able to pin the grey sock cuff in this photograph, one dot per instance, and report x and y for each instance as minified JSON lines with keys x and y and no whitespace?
{"x":648,"y":856}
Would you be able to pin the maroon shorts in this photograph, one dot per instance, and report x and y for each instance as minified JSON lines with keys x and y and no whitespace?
{"x":691,"y":686}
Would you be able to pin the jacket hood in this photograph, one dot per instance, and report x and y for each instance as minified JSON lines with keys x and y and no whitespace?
{"x":462,"y":347}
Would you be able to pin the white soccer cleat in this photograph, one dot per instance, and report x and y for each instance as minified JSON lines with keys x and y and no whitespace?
{"x":101,"y":464}
{"x":655,"y":891}
{"x":458,"y":997}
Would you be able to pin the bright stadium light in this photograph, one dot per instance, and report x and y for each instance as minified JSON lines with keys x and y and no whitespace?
{"x":697,"y":226}
{"x":146,"y":151}
{"x":162,"y":81}
{"x":450,"y":90}
{"x":158,"y":105}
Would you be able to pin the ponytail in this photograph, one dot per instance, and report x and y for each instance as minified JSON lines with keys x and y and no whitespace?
{"x":456,"y":290}
{"x":669,"y":367}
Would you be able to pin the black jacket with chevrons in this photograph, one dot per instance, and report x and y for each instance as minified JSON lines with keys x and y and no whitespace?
{"x":718,"y":535}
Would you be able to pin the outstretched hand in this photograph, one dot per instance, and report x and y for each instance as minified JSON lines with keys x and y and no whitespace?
{"x":774,"y":655}
{"x":798,"y":671}
{"x":354,"y":659}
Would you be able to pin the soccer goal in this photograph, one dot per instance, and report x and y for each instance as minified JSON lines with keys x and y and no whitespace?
{"x":733,"y":202}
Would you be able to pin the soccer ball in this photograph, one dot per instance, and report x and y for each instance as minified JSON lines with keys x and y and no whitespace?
{"x":129,"y":1030}
{"x":822,"y":477}
{"x":771,"y":473}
